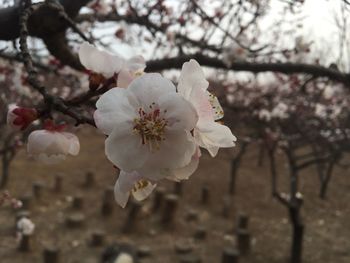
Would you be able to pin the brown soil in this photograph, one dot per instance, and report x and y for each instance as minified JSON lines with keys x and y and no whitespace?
{"x":327,"y":236}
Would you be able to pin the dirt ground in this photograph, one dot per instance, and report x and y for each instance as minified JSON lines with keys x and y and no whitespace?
{"x":327,"y":234}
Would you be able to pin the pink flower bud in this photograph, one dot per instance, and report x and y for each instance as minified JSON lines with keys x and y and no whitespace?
{"x":20,"y":118}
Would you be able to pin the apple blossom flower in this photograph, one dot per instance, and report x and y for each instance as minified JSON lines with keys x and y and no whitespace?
{"x":25,"y":226}
{"x":107,"y":64}
{"x":234,"y":53}
{"x":19,"y":118}
{"x":328,"y":92}
{"x":264,"y":115}
{"x":208,"y":133}
{"x":100,"y":7}
{"x":148,"y":126}
{"x":301,"y":45}
{"x":52,"y":145}
{"x":280,"y":111}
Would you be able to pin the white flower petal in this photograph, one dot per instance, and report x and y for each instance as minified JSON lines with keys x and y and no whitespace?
{"x":42,"y":141}
{"x":52,"y":147}
{"x":191,"y":77}
{"x":74,"y":143}
{"x":185,"y":172}
{"x":100,"y":61}
{"x":149,"y":87}
{"x":136,"y":63}
{"x":122,"y":187}
{"x":125,"y":77}
{"x":211,"y":135}
{"x":113,"y":108}
{"x":200,"y":100}
{"x":180,"y":114}
{"x":50,"y":159}
{"x":175,"y":151}
{"x":124,"y":148}
{"x":11,"y":116}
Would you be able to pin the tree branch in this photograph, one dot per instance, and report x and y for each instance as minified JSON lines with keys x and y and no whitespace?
{"x":285,"y":68}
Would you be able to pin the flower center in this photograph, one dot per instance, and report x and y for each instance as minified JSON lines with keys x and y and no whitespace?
{"x":140,"y":185}
{"x":151,"y":127}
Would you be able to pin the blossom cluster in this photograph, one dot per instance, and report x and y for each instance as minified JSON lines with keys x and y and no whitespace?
{"x":154,"y":129}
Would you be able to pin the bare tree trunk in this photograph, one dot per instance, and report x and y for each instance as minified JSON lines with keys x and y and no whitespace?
{"x":5,"y":170}
{"x":235,"y":163}
{"x":298,"y":234}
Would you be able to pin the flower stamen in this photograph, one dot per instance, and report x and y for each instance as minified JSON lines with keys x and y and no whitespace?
{"x":151,"y":127}
{"x":140,"y":185}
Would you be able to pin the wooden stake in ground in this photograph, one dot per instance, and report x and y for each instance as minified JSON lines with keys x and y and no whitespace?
{"x":230,"y":255}
{"x":57,"y":187}
{"x":89,"y":179}
{"x":51,"y":255}
{"x":205,"y":195}
{"x":24,"y":243}
{"x":242,"y":222}
{"x":130,"y":222}
{"x":169,"y":209}
{"x":108,"y":202}
{"x":178,"y":188}
{"x":158,"y":198}
{"x":37,"y":189}
{"x":243,"y":241}
{"x":97,"y":238}
{"x":78,"y":202}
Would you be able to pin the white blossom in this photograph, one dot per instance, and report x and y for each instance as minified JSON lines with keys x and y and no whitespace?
{"x":208,"y":133}
{"x":280,"y":111}
{"x":51,"y":147}
{"x":107,"y":64}
{"x":264,"y":115}
{"x":148,"y":127}
{"x":234,"y":53}
{"x":25,"y":226}
{"x":328,"y":92}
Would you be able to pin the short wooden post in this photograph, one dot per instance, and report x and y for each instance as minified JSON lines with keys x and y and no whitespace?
{"x":57,"y":187}
{"x":242,"y":222}
{"x":37,"y":189}
{"x":158,"y":198}
{"x":108,"y":202}
{"x":78,"y":202}
{"x":89,"y":179}
{"x":230,"y":255}
{"x":226,"y":209}
{"x":243,"y":241}
{"x":205,"y":195}
{"x":130,"y":222}
{"x":97,"y":238}
{"x":190,"y":258}
{"x":178,"y":188}
{"x":51,"y":255}
{"x":24,"y":243}
{"x":26,"y":201}
{"x":169,"y":209}
{"x":75,"y":220}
